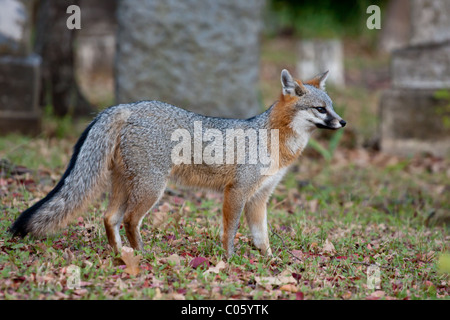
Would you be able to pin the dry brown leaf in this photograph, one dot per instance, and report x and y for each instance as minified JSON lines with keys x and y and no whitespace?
{"x":165,"y":207}
{"x":328,"y":247}
{"x":80,"y":292}
{"x":280,"y":280}
{"x":377,"y":294}
{"x":175,"y":296}
{"x":131,"y":261}
{"x":313,"y":205}
{"x":175,"y":259}
{"x":158,"y":294}
{"x":159,"y":218}
{"x":219,"y":266}
{"x":289,"y":288}
{"x":68,"y":255}
{"x":347,"y":295}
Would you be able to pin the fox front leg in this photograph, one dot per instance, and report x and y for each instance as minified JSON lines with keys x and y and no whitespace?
{"x":233,"y":204}
{"x":256,"y":216}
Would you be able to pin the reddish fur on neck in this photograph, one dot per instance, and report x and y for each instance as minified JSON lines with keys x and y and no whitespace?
{"x":281,"y":118}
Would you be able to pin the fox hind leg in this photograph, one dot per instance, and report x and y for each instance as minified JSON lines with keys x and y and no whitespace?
{"x":112,"y":220}
{"x":114,"y":213}
{"x":136,"y":211}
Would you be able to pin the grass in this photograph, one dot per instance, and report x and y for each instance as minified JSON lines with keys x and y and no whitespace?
{"x":372,"y":208}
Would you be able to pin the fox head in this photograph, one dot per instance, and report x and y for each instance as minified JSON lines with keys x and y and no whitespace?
{"x":308,"y":103}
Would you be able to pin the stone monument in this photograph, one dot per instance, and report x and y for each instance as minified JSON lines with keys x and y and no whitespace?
{"x":19,"y":70}
{"x":411,"y":115}
{"x":201,"y":55}
{"x":316,"y":56}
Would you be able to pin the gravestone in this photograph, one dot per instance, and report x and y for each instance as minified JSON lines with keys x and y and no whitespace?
{"x":422,"y":66}
{"x":430,"y":21}
{"x":19,"y":70}
{"x":96,"y":48}
{"x":412,"y":118}
{"x":396,"y":26}
{"x":197,"y":54}
{"x":316,"y":56}
{"x":96,"y":41}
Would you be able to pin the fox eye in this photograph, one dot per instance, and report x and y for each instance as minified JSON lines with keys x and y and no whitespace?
{"x":321,"y":110}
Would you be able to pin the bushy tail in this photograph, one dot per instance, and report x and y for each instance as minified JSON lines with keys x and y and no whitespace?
{"x":85,"y":177}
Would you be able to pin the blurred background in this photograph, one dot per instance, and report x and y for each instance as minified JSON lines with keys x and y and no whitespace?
{"x":389,"y":73}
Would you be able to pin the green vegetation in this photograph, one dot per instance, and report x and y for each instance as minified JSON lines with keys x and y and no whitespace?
{"x":320,"y":18}
{"x":444,"y":111}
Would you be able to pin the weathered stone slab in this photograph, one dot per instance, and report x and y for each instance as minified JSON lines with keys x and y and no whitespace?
{"x":430,"y":21}
{"x":316,"y":56}
{"x":412,"y":122}
{"x":422,"y":67}
{"x":396,"y":29}
{"x":96,"y":41}
{"x":19,"y":89}
{"x":15,"y":27}
{"x":198,"y":54}
{"x":24,"y":123}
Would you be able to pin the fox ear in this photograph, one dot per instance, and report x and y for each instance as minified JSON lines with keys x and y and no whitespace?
{"x":319,"y":81}
{"x":291,"y":86}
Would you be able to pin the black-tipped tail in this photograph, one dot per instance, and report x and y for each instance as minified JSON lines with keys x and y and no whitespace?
{"x":21,"y":227}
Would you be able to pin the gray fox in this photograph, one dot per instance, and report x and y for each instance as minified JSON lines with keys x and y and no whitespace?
{"x":131,"y":146}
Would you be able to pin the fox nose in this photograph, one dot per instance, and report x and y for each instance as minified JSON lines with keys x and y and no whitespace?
{"x":343,"y":123}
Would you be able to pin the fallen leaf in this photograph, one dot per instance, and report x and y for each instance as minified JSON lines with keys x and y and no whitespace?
{"x":376,"y":295}
{"x":313,"y":205}
{"x":175,"y":259}
{"x":175,"y":296}
{"x":131,"y":261}
{"x":219,"y":266}
{"x":61,"y":295}
{"x":298,"y":254}
{"x":80,"y":292}
{"x":68,"y":255}
{"x":347,"y":295}
{"x":165,"y":207}
{"x":297,"y":276}
{"x":120,"y":284}
{"x":299,"y":296}
{"x":159,"y":218}
{"x":328,"y":247}
{"x":199,"y":261}
{"x":289,"y":288}
{"x":87,"y":264}
{"x":280,"y":280}
{"x":158,"y":294}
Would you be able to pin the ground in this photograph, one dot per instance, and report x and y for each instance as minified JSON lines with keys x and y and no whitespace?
{"x":344,"y":209}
